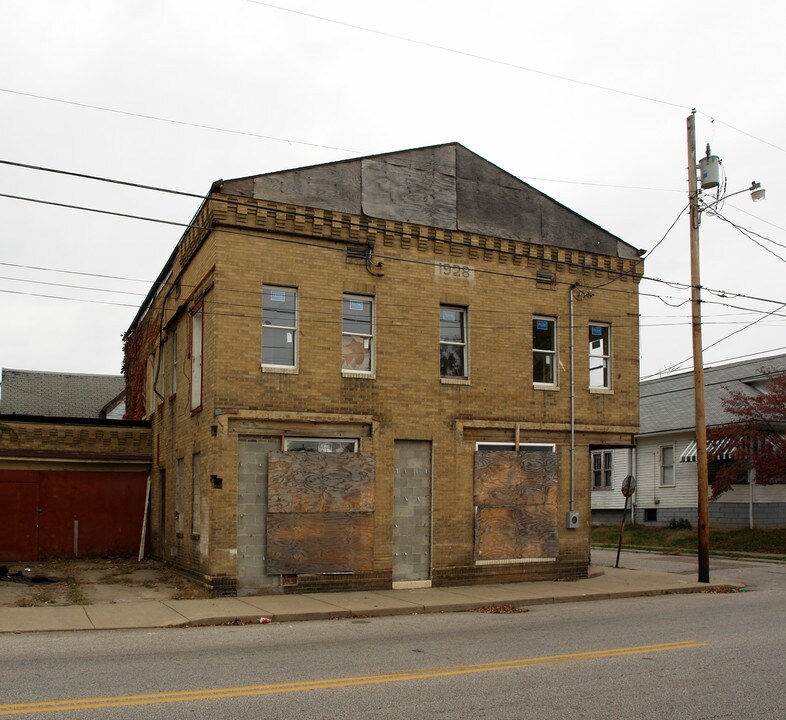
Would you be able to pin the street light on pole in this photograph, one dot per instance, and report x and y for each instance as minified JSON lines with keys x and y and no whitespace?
{"x":709,"y":167}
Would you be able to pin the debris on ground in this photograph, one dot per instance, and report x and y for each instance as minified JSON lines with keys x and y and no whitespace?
{"x":500,"y":609}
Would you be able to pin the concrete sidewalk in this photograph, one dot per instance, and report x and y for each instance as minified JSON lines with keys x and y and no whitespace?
{"x":604,"y":584}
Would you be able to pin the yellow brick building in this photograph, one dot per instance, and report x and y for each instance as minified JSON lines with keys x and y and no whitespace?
{"x":384,"y":371}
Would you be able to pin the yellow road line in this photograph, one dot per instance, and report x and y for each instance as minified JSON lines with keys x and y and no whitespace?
{"x":330,"y":683}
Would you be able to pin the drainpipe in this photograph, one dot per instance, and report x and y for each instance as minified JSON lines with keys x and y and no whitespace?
{"x":572,"y":409}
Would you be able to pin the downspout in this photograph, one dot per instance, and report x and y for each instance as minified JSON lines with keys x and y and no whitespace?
{"x":572,"y":409}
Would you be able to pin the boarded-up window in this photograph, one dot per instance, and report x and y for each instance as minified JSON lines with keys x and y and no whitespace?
{"x":320,"y":515}
{"x":515,"y":505}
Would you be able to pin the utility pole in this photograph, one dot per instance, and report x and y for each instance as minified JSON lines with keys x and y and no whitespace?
{"x":698,"y":359}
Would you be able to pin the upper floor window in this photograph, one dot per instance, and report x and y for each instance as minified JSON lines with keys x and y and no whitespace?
{"x":196,"y":359}
{"x":601,"y":469}
{"x":599,"y":355}
{"x":174,"y":362}
{"x":452,"y":342}
{"x":279,"y":326}
{"x":667,"y":465}
{"x":357,"y":334}
{"x":544,"y":350}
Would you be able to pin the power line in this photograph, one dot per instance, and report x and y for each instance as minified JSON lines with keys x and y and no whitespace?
{"x":463,"y":53}
{"x":293,"y":241}
{"x":504,"y":63}
{"x":173,"y":121}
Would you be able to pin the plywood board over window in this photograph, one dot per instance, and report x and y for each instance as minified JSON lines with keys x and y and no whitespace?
{"x":320,"y":515}
{"x":515,"y":506}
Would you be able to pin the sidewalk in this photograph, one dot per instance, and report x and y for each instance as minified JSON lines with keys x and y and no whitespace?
{"x":604,"y":584}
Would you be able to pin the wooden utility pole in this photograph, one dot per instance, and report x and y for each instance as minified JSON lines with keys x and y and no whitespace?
{"x":698,"y":360}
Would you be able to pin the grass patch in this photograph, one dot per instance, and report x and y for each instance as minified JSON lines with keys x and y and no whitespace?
{"x":756,"y":541}
{"x":74,"y":592}
{"x":41,"y":596}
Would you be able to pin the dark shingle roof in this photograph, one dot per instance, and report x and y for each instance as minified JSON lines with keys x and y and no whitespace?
{"x":667,"y":403}
{"x":50,"y":394}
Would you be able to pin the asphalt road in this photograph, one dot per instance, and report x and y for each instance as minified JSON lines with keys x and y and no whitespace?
{"x":683,"y":656}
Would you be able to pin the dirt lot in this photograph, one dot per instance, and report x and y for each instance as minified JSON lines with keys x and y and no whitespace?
{"x":92,"y":582}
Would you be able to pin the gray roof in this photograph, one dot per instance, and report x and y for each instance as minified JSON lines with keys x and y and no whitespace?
{"x":667,"y":403}
{"x":50,"y":394}
{"x":445,"y":186}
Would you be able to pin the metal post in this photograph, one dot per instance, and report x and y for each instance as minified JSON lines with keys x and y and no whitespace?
{"x":698,"y":361}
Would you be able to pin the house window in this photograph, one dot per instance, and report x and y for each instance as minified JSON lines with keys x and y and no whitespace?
{"x":599,"y":356}
{"x":279,"y":326}
{"x":544,"y":350}
{"x":174,"y":362}
{"x":150,"y":403}
{"x":357,"y":334}
{"x":509,"y":446}
{"x":179,"y":496}
{"x":601,"y":469}
{"x":452,"y":342}
{"x":667,"y":465}
{"x":196,"y":359}
{"x":325,"y":445}
{"x":196,"y":471}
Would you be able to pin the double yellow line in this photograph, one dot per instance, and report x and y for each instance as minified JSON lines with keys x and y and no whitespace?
{"x":330,"y":683}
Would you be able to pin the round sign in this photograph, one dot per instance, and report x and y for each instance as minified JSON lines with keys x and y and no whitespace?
{"x":628,"y":485}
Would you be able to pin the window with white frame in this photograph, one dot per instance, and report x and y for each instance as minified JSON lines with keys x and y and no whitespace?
{"x":667,"y":465}
{"x":196,"y":495}
{"x":196,"y":359}
{"x":279,"y":326}
{"x":602,"y":465}
{"x":174,"y":362}
{"x":544,"y":350}
{"x":509,"y":446}
{"x":357,"y":334}
{"x":325,"y":445}
{"x":599,"y":355}
{"x":452,"y":342}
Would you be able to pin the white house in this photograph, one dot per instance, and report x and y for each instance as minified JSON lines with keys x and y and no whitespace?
{"x":665,"y":455}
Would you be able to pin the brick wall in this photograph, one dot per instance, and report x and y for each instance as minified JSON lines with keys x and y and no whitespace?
{"x":405,"y":399}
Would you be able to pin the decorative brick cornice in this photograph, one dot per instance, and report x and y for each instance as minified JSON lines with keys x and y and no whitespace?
{"x":270,"y":216}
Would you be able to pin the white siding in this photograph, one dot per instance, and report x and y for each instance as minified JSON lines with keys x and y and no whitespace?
{"x":649,"y":492}
{"x":612,"y":499}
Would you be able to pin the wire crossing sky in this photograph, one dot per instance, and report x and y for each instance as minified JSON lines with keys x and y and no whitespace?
{"x":587,"y":104}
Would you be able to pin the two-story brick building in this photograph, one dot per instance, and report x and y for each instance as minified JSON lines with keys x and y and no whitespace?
{"x":386,"y":370}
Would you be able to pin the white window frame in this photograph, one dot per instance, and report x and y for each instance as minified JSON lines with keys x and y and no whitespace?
{"x":174,"y":362}
{"x":325,"y":442}
{"x":509,"y":446}
{"x":197,"y":334}
{"x":150,"y":370}
{"x":662,"y":467}
{"x":605,"y":472}
{"x":291,"y":330}
{"x":552,"y":353}
{"x":464,"y":344}
{"x":367,"y":338}
{"x":603,"y":358}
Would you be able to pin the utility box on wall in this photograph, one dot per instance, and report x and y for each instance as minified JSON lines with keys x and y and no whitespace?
{"x":572,"y":520}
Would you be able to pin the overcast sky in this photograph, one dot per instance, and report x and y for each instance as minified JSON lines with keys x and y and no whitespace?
{"x":585,"y":101}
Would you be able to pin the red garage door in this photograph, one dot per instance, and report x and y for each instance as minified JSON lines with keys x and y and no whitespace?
{"x":18,"y":521}
{"x":58,"y":513}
